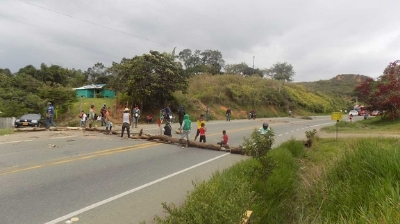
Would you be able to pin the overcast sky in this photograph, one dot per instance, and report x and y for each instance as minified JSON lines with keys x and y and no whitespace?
{"x":320,"y":38}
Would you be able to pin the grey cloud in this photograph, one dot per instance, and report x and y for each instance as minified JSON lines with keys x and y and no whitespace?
{"x":319,"y":38}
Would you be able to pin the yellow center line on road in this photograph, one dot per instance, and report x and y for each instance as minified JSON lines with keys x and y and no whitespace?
{"x":84,"y":157}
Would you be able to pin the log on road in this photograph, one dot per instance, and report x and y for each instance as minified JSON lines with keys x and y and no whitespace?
{"x":234,"y":150}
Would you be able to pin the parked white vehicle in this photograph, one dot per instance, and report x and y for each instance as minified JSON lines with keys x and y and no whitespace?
{"x":353,"y":112}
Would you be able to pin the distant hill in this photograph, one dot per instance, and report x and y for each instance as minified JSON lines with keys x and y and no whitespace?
{"x":341,"y":85}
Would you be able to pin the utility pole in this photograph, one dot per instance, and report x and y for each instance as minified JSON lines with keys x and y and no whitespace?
{"x":253,"y":64}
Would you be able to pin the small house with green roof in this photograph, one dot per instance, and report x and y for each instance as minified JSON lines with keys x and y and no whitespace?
{"x":94,"y":91}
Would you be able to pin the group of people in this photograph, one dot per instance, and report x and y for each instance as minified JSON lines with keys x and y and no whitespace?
{"x":104,"y":117}
{"x":186,"y":126}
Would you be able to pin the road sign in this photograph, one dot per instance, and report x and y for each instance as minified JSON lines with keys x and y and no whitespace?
{"x":336,"y":116}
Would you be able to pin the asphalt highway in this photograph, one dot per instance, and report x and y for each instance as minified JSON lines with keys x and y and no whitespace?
{"x":89,"y":177}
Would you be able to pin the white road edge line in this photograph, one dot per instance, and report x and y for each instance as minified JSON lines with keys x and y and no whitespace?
{"x":90,"y":207}
{"x":15,"y":141}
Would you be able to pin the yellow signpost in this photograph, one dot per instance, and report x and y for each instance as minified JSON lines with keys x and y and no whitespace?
{"x":336,"y":116}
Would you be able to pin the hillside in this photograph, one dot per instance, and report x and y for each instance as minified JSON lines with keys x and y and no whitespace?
{"x":270,"y":98}
{"x":341,"y":85}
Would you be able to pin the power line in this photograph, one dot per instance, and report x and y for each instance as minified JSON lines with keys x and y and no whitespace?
{"x":93,"y":23}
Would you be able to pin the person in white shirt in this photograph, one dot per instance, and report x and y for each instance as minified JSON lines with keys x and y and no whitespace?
{"x":83,"y":119}
{"x":126,"y":118}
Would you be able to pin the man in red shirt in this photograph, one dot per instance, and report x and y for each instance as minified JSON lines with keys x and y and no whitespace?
{"x":224,"y":142}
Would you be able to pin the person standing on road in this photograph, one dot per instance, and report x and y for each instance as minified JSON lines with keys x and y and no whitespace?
{"x":91,"y":116}
{"x":203,"y":133}
{"x":199,"y":122}
{"x":82,"y":116}
{"x":126,"y":124}
{"x":107,"y":118}
{"x":181,"y":113}
{"x":228,"y":114}
{"x":207,"y":113}
{"x":187,"y":126}
{"x":103,"y":111}
{"x":351,"y":117}
{"x":49,"y":116}
{"x":136,"y":115}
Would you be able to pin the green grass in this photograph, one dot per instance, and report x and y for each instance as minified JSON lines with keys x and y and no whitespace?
{"x":229,"y":194}
{"x":71,"y":117}
{"x":223,"y":199}
{"x":372,"y":125}
{"x":349,"y":180}
{"x":6,"y":131}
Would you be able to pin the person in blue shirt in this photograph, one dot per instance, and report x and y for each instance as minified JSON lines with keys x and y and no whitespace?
{"x":49,"y":116}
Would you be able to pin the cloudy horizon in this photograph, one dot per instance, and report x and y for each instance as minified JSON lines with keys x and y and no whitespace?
{"x":320,"y":39}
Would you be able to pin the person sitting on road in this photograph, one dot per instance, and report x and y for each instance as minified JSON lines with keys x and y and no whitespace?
{"x":149,"y":119}
{"x":224,"y":141}
{"x":167,"y":129}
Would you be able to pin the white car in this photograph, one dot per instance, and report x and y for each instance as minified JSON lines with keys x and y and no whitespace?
{"x":353,"y":112}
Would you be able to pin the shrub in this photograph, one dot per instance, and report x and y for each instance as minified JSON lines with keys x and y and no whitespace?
{"x":310,"y":137}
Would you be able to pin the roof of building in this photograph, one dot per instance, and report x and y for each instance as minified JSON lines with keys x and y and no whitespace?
{"x":92,"y":86}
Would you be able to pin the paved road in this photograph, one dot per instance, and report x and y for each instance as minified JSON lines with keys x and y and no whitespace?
{"x":53,"y":177}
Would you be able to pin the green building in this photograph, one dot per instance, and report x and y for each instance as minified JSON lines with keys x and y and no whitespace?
{"x":94,"y":91}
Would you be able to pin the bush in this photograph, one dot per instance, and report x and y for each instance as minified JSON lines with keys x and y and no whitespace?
{"x":310,"y":137}
{"x":295,"y":147}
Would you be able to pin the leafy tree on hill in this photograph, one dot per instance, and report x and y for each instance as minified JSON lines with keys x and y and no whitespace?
{"x":150,"y":79}
{"x":208,"y":61}
{"x":384,"y":93}
{"x":242,"y":69}
{"x":281,"y":71}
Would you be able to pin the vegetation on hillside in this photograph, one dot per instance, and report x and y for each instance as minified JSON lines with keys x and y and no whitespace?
{"x":339,"y":86}
{"x":268,"y":97}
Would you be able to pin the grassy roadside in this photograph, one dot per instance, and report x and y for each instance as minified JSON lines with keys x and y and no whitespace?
{"x":6,"y":131}
{"x":373,"y":125}
{"x":349,"y":180}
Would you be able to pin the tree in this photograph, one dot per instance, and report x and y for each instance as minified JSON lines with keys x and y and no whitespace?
{"x":151,"y":78}
{"x":213,"y":60}
{"x":76,"y":78}
{"x":242,"y":69}
{"x":189,"y":59}
{"x":200,"y":62}
{"x":384,"y":93}
{"x":236,"y":68}
{"x":5,"y":71}
{"x":281,"y":71}
{"x":98,"y":74}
